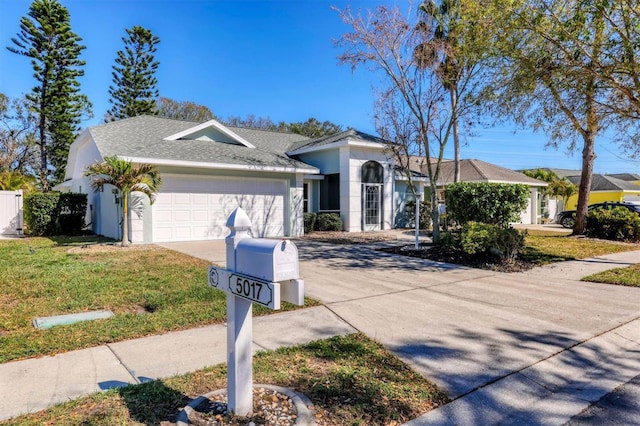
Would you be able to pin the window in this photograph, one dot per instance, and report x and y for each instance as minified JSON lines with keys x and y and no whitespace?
{"x":330,"y":192}
{"x":305,"y":198}
{"x":372,"y":172}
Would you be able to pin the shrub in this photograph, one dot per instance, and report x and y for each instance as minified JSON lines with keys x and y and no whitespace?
{"x":617,"y":224}
{"x":510,"y":243}
{"x":450,"y":239}
{"x":484,"y":238}
{"x":309,"y":222}
{"x":51,"y":213}
{"x":493,"y":203}
{"x":477,"y":237}
{"x":72,"y":208}
{"x":425,"y":214}
{"x":329,"y":222}
{"x":40,"y":212}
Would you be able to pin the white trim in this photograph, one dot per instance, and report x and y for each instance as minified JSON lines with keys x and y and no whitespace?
{"x":402,"y":177}
{"x":216,"y":125}
{"x":222,"y":166}
{"x":338,"y":144}
{"x":531,"y":184}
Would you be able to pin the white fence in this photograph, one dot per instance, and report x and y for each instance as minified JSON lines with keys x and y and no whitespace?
{"x":11,"y":219}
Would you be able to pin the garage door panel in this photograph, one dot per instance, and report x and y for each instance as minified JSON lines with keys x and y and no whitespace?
{"x":162,"y":216}
{"x":182,"y":232}
{"x":200,"y":215}
{"x":201,"y":199}
{"x":164,"y":199}
{"x":199,"y":210}
{"x":182,"y":198}
{"x":182,"y":216}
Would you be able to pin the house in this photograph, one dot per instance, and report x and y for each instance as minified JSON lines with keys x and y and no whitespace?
{"x":472,"y":170}
{"x":604,"y":187}
{"x":208,"y":169}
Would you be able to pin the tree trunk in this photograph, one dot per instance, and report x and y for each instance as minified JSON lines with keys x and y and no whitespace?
{"x":456,"y":135}
{"x":125,"y":221}
{"x":435,"y":214}
{"x":589,"y":135}
{"x":42,"y":130}
{"x":588,"y":158}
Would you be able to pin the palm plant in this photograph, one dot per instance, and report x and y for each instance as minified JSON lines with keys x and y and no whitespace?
{"x":452,"y":48}
{"x":127,"y":178}
{"x":12,"y":180}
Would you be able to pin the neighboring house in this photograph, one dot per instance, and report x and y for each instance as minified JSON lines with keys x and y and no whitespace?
{"x":604,"y":187}
{"x":481,"y":171}
{"x":209,"y":169}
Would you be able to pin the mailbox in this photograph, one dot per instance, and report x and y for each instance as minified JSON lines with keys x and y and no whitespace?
{"x":267,"y":259}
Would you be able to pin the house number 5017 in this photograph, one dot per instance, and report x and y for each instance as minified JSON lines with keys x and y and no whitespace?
{"x":249,"y":289}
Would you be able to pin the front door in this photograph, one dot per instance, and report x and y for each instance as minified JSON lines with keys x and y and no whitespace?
{"x":371,"y":206}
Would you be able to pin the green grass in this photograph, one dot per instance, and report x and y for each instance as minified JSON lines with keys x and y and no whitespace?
{"x":542,"y":247}
{"x":629,"y":276}
{"x":545,"y":247}
{"x":351,"y":380}
{"x":151,"y":290}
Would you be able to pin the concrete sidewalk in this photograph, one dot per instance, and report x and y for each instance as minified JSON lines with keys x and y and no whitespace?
{"x":554,"y":390}
{"x":35,"y":384}
{"x":530,"y":348}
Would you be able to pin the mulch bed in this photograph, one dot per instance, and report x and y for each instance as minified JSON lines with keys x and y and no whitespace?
{"x":441,"y":254}
{"x":424,"y":251}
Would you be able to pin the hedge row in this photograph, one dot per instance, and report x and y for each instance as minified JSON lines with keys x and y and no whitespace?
{"x":322,"y":222}
{"x":55,"y":213}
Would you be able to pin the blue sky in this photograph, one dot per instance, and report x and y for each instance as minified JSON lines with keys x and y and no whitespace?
{"x":267,"y":58}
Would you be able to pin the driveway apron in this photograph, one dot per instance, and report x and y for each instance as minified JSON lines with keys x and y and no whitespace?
{"x":461,"y":327}
{"x":466,"y":328}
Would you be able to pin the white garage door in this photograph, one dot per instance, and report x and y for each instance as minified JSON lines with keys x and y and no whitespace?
{"x":197,"y":208}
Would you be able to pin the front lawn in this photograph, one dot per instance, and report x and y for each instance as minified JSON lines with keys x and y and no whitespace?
{"x":543,"y":247}
{"x":350,"y":380}
{"x":151,"y":290}
{"x":629,"y":276}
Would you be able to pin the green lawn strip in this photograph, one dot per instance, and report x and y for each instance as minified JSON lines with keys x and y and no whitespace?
{"x":151,"y":291}
{"x":629,"y":276}
{"x":350,"y":380}
{"x":542,"y":247}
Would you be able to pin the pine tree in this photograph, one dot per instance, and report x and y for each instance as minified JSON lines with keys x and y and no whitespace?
{"x":134,"y":85}
{"x":46,"y":37}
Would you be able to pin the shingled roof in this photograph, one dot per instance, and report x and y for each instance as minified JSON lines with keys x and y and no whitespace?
{"x":607,"y":183}
{"x":336,"y":138}
{"x":475,"y":171}
{"x":628,"y":177}
{"x":145,"y":138}
{"x":481,"y":171}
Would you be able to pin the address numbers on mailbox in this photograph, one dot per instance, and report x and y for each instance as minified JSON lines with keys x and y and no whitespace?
{"x":262,"y":292}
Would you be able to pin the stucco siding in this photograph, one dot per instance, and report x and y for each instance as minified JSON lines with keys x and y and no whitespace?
{"x":328,"y":161}
{"x":601,"y":197}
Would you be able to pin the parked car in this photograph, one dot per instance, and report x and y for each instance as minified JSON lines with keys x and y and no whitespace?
{"x":567,"y":218}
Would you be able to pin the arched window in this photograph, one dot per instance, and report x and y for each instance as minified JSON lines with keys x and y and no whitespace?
{"x":372,"y":172}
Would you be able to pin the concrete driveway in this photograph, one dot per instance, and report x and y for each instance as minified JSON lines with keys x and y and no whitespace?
{"x":531,"y":336}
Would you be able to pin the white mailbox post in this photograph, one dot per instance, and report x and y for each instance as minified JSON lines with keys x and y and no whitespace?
{"x":263,"y":271}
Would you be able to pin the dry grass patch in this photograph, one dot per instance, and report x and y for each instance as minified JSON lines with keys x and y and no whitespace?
{"x":351,"y":380}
